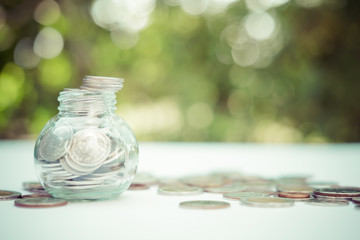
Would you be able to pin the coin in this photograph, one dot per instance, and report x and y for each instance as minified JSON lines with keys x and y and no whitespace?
{"x":295,"y":189}
{"x":40,"y":202}
{"x":356,"y":200}
{"x":338,"y":192}
{"x":144,"y":178}
{"x":56,"y":142}
{"x":203,"y":181}
{"x":330,"y":198}
{"x":204,"y":204}
{"x":8,"y":195}
{"x":225,"y":189}
{"x":330,"y":203}
{"x":138,"y":186}
{"x":32,"y":186}
{"x":178,"y":190}
{"x":240,"y":195}
{"x":294,"y":195}
{"x":34,"y":195}
{"x":267,"y":202}
{"x":89,"y":150}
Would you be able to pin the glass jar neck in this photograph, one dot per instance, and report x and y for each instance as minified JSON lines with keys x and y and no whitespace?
{"x":80,"y":102}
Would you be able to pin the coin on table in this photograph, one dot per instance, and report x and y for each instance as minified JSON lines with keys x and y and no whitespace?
{"x":138,"y":186}
{"x":267,"y":202}
{"x":225,"y":189}
{"x":338,"y":192}
{"x":56,"y":142}
{"x":179,"y":190}
{"x":32,"y":186}
{"x":296,"y":195}
{"x":329,"y":203}
{"x":295,"y":189}
{"x":35,"y":195}
{"x":8,"y":195}
{"x":240,"y":195}
{"x":203,"y":181}
{"x":356,"y":200}
{"x":145,"y":178}
{"x":40,"y":202}
{"x":204,"y":204}
{"x":331,"y":198}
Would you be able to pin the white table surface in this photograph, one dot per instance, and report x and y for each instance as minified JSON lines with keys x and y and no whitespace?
{"x":147,"y":215}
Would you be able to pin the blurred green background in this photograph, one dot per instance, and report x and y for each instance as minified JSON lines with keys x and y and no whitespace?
{"x":204,"y":70}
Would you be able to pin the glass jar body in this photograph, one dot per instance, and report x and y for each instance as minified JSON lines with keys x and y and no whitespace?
{"x":81,"y":156}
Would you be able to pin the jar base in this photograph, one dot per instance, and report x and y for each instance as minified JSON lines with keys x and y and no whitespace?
{"x":92,"y":194}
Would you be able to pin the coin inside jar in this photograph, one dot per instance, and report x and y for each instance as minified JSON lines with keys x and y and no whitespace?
{"x":56,"y":142}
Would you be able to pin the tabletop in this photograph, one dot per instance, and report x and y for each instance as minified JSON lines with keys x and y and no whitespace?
{"x":148,"y":215}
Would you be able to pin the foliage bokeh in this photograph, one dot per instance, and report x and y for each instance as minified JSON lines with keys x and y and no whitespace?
{"x":207,"y":70}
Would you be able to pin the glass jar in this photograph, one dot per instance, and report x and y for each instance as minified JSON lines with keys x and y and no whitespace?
{"x":87,"y":151}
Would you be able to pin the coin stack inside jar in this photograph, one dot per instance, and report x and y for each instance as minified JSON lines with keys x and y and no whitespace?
{"x":84,"y":151}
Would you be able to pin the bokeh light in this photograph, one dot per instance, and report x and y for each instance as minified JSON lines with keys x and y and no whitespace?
{"x":207,"y":70}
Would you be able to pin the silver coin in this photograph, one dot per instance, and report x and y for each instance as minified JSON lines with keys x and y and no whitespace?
{"x":267,"y":202}
{"x":179,"y":190}
{"x":225,"y":189}
{"x":90,"y":148}
{"x":204,"y":204}
{"x":32,"y":186}
{"x":327,"y":203}
{"x":319,"y":184}
{"x":40,"y":202}
{"x":145,"y":178}
{"x":71,"y":170}
{"x":203,"y":181}
{"x":296,"y":189}
{"x":8,"y":195}
{"x":338,"y":192}
{"x":324,"y":197}
{"x":56,"y":142}
{"x":241,"y":195}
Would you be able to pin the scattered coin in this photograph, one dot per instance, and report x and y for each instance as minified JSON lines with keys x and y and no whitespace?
{"x":330,"y":203}
{"x":32,"y":186}
{"x":338,"y":192}
{"x":138,"y":186}
{"x":267,"y":202}
{"x":34,"y":195}
{"x":179,"y":190}
{"x":40,"y":202}
{"x":356,"y":200}
{"x":295,"y":189}
{"x":240,"y":195}
{"x":204,"y":204}
{"x":298,"y":195}
{"x":203,"y":181}
{"x":8,"y":195}
{"x":225,"y":189}
{"x":145,"y":178}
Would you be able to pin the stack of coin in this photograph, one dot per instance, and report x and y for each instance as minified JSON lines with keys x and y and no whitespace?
{"x":103,"y":83}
